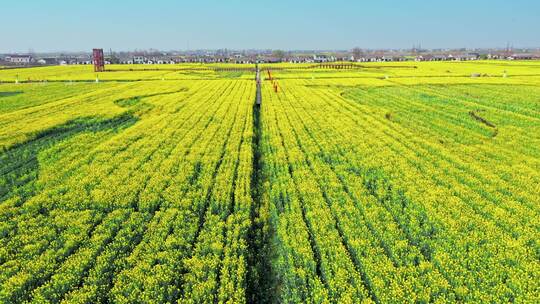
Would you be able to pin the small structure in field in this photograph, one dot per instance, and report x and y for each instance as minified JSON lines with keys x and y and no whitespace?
{"x":98,"y":60}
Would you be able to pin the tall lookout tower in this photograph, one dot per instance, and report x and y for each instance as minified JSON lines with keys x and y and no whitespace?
{"x":99,"y":61}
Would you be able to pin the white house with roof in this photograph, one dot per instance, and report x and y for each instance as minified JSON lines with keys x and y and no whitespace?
{"x":139,"y":59}
{"x":323,"y":58}
{"x":19,"y":59}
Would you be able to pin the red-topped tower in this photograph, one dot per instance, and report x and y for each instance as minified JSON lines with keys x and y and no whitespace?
{"x":99,"y":60}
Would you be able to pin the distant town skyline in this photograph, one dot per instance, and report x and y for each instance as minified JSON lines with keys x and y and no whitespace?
{"x":60,"y":25}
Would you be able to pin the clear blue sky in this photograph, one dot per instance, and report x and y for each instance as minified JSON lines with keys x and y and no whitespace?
{"x":71,"y":25}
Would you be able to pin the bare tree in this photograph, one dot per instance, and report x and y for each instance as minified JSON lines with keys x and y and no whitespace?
{"x":357,"y":53}
{"x":279,"y":54}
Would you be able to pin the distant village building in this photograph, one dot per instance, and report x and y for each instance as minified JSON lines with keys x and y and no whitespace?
{"x":139,"y":60}
{"x":525,"y":56}
{"x":49,"y":61}
{"x":467,"y":57}
{"x":270,"y":60}
{"x":322,"y":58}
{"x":19,"y":59}
{"x":301,"y":59}
{"x":429,"y":57}
{"x":440,"y":57}
{"x":370,"y":58}
{"x":390,"y":58}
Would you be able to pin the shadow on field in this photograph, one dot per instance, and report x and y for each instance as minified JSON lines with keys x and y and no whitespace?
{"x":19,"y":164}
{"x":135,"y":100}
{"x":8,"y":94}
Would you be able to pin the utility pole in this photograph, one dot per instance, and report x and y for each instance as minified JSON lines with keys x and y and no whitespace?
{"x":509,"y":48}
{"x":258,"y":80}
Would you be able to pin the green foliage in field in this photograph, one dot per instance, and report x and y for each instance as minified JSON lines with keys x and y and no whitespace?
{"x":397,"y":183}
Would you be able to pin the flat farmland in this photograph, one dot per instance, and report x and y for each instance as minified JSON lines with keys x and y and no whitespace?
{"x":389,"y":182}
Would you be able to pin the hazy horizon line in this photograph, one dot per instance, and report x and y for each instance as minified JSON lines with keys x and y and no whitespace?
{"x":30,"y":50}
